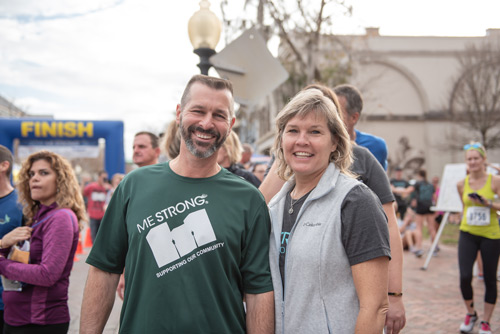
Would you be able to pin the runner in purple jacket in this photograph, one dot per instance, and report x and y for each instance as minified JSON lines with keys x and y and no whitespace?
{"x":54,"y":207}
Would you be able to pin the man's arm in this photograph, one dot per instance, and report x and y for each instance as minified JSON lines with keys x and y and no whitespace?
{"x":260,"y":313}
{"x":396,"y":318}
{"x":98,"y":300}
{"x":403,"y":192}
{"x":271,"y":184}
{"x":370,"y":279}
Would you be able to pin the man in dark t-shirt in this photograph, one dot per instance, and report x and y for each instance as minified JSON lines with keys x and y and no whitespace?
{"x":193,"y":236}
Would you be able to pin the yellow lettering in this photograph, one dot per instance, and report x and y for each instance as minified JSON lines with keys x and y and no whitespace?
{"x":26,"y":127}
{"x":88,"y":129}
{"x":49,"y":129}
{"x":57,"y":129}
{"x":70,"y":129}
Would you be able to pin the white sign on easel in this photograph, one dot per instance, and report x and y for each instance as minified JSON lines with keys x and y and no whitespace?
{"x":448,"y":200}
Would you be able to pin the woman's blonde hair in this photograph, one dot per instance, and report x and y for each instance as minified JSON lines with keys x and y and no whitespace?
{"x":171,"y":142}
{"x":314,"y":100}
{"x":68,"y":191}
{"x":233,"y":147}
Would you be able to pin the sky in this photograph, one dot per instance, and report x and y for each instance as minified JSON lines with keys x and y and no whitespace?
{"x":130,"y":59}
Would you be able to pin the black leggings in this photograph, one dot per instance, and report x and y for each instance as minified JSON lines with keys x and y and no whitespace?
{"x":36,"y":329}
{"x":468,"y":245}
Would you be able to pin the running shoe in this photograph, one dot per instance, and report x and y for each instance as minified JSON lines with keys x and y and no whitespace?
{"x":484,"y":328}
{"x":419,"y":253}
{"x":469,"y":322}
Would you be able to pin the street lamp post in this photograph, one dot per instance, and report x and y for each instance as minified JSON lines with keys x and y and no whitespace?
{"x":204,"y":30}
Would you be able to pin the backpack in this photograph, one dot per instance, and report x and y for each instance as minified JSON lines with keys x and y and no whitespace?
{"x":425,"y":192}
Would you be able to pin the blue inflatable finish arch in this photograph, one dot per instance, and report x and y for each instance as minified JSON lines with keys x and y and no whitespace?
{"x":68,"y":130}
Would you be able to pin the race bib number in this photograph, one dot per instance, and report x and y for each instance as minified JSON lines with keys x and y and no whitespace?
{"x":478,"y":216}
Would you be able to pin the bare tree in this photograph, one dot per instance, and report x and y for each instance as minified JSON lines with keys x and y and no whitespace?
{"x":300,"y":25}
{"x":475,"y":97}
{"x":307,"y":49}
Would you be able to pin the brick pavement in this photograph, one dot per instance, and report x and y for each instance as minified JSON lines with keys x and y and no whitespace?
{"x":432,"y":297}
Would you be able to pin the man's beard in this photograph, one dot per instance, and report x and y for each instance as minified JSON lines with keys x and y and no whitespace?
{"x":192,"y":147}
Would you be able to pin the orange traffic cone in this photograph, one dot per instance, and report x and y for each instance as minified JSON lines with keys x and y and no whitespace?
{"x":88,"y":239}
{"x":76,"y":259}
{"x":79,"y":248}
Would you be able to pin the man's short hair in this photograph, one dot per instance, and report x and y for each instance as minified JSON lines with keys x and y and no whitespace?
{"x":154,"y":138}
{"x":214,"y":83}
{"x":6,"y":155}
{"x":354,"y":101}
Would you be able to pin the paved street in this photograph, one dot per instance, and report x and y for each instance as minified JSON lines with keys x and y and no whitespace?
{"x":432,"y":297}
{"x":76,"y":286}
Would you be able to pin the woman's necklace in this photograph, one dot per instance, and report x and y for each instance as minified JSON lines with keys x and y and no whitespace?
{"x":300,"y":199}
{"x":292,"y":202}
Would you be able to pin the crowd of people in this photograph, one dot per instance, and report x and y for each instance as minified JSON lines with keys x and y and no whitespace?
{"x":204,"y":240}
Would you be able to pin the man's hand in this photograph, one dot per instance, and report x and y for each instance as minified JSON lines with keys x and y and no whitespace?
{"x":396,"y":316}
{"x":120,"y":289}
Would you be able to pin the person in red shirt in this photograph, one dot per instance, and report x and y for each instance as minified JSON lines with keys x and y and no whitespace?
{"x":96,"y":198}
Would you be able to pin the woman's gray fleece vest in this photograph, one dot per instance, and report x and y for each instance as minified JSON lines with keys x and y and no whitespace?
{"x":320,"y":296}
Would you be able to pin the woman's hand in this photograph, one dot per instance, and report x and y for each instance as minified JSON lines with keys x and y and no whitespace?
{"x":18,"y":234}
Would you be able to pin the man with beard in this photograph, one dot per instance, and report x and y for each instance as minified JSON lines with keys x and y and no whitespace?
{"x":191,"y":257}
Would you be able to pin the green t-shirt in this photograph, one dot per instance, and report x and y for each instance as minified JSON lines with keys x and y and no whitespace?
{"x":191,"y":248}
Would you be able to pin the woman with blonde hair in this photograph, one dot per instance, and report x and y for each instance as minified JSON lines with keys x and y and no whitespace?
{"x":54,"y":210}
{"x":229,"y":156}
{"x":171,"y":142}
{"x":329,"y":251}
{"x":479,"y":231}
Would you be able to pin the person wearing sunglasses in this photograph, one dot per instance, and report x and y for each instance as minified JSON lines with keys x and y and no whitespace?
{"x":479,"y":231}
